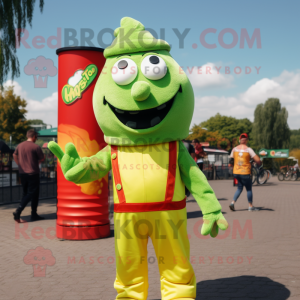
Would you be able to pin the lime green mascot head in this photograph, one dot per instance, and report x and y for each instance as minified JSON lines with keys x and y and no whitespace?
{"x":142,"y":95}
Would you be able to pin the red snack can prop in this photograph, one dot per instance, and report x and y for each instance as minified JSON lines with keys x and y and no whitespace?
{"x":82,"y":209}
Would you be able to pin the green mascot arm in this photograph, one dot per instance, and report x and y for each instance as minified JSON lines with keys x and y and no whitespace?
{"x":85,"y":169}
{"x":97,"y":166}
{"x":198,"y":185}
{"x":196,"y":182}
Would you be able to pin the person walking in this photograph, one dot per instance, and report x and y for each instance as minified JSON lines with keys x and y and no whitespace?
{"x":189,"y":147}
{"x":27,"y":156}
{"x":199,"y":153}
{"x":240,"y":158}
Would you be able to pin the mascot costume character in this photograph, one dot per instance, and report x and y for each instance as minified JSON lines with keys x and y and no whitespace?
{"x":144,"y":104}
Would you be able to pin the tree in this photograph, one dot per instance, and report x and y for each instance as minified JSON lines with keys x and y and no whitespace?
{"x":36,"y":122}
{"x":12,"y":116}
{"x":295,"y":142}
{"x":270,"y":127}
{"x":228,"y":128}
{"x":295,"y":139}
{"x":204,"y":135}
{"x":14,"y":14}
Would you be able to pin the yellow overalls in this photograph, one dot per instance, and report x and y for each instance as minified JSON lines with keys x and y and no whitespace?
{"x":149,"y":201}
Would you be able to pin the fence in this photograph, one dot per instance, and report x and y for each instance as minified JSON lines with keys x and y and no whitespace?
{"x":213,"y":172}
{"x":11,"y":188}
{"x":10,"y":185}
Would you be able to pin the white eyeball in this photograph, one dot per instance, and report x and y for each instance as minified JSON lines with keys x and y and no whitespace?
{"x":124,"y":71}
{"x":154,"y":67}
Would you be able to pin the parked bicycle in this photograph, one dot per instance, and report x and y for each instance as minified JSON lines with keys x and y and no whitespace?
{"x":269,"y":174}
{"x":288,"y":174}
{"x":260,"y":175}
{"x":295,"y":174}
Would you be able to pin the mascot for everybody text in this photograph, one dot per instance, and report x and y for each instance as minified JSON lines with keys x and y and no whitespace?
{"x":144,"y":103}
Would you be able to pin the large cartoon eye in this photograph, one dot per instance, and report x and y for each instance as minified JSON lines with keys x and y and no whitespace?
{"x":154,"y":67}
{"x":124,"y":71}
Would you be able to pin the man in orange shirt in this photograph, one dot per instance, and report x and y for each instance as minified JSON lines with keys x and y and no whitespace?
{"x":240,"y":157}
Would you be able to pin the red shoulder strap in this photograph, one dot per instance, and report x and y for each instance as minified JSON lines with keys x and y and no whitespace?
{"x":116,"y":174}
{"x":171,"y":171}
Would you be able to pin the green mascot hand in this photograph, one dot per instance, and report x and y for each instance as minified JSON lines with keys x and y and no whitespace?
{"x":75,"y":168}
{"x":212,"y":222}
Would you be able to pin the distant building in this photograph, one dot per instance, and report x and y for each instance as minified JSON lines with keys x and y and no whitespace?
{"x":48,"y":135}
{"x":39,"y":127}
{"x":217,"y":156}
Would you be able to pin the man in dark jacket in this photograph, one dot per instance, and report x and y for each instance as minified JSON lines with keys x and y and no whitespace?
{"x":190,"y":148}
{"x":27,"y":156}
{"x":199,"y":153}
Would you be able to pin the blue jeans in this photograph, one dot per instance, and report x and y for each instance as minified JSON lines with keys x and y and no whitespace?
{"x":243,"y":180}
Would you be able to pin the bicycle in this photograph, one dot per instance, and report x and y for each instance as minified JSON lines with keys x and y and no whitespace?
{"x":260,"y":175}
{"x":295,"y":175}
{"x":288,"y":175}
{"x":253,"y":174}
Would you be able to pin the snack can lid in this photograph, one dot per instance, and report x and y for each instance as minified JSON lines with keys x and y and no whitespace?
{"x":59,"y":50}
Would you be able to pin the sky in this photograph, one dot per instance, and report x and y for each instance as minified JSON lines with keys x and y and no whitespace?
{"x":233,"y":77}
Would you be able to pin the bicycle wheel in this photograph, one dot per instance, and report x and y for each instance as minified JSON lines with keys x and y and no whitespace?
{"x":269,"y":173}
{"x":294,"y":177}
{"x":280,"y":177}
{"x":262,"y":177}
{"x":253,"y":175}
{"x":288,"y":176}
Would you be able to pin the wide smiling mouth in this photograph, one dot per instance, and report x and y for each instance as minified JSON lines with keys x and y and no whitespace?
{"x":143,"y":119}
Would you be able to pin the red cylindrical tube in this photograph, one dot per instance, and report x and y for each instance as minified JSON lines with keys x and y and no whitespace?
{"x":82,"y":209}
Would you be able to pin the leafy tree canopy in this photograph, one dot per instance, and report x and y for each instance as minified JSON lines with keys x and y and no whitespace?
{"x":14,"y":14}
{"x":270,"y":127}
{"x":295,"y":139}
{"x":295,"y":132}
{"x":226,"y":129}
{"x":12,"y":116}
{"x":36,"y":122}
{"x":295,"y":142}
{"x":204,"y":135}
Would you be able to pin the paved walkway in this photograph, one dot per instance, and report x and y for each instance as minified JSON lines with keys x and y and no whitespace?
{"x":257,"y":258}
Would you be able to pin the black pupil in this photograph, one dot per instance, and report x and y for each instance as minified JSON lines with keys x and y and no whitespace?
{"x":122,"y":64}
{"x":154,"y":60}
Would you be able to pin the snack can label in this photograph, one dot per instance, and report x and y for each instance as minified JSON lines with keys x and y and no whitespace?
{"x":78,"y":71}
